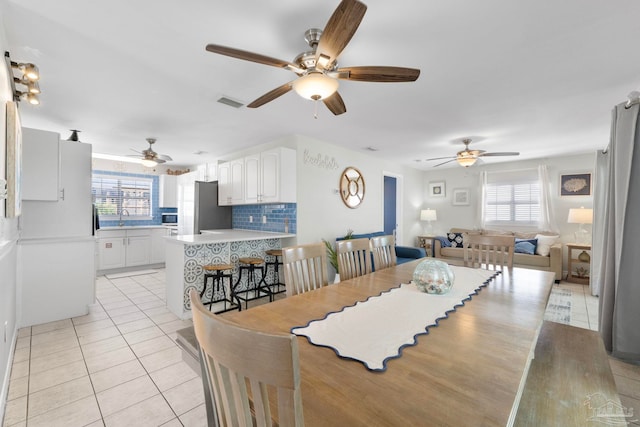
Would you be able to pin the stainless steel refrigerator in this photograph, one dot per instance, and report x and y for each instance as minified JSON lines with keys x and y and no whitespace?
{"x":198,"y":207}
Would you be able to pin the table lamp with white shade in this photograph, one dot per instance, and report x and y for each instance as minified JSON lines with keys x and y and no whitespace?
{"x":428,"y":215}
{"x":581,"y":216}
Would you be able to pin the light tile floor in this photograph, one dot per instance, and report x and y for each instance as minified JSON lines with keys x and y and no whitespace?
{"x":119,"y":365}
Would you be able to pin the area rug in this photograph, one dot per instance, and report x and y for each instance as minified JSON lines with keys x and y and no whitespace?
{"x":559,"y":306}
{"x":129,"y":274}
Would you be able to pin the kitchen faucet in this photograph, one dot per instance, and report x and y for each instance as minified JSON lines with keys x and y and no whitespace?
{"x":122,"y":212}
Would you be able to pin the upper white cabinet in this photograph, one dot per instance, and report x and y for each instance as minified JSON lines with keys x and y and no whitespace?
{"x":40,"y":165}
{"x":231,"y":177}
{"x":70,"y":214}
{"x":207,"y":172}
{"x":265,"y":177}
{"x":168,"y":191}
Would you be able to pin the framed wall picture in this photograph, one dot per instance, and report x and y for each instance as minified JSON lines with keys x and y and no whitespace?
{"x":436,"y":189}
{"x":13,"y":141}
{"x":575,"y":184}
{"x":461,"y":197}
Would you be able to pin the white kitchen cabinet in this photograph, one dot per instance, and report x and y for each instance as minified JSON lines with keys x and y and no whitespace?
{"x":40,"y":165}
{"x":207,"y":172}
{"x":231,"y":183}
{"x":70,"y":215}
{"x":277,"y":176}
{"x":112,"y":249}
{"x":265,"y":177}
{"x":130,"y":247}
{"x":158,"y":243}
{"x":168,"y":191}
{"x":138,"y":248}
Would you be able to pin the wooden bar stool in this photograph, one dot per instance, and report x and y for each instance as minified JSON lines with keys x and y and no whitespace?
{"x":216,"y":272}
{"x":255,"y":286}
{"x":277,"y":286}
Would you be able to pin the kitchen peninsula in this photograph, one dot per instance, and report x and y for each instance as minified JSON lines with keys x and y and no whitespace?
{"x":186,"y":254}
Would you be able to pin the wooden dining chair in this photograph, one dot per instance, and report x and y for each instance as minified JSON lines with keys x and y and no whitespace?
{"x":383,"y":249}
{"x":493,"y":252}
{"x":305,"y":268}
{"x":235,"y":359}
{"x":354,"y":258}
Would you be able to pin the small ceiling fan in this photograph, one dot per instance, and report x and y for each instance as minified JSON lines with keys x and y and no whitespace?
{"x":317,"y":69}
{"x":468,"y":157}
{"x":149,"y":157}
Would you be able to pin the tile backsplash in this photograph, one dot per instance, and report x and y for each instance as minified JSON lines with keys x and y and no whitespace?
{"x":249,"y":217}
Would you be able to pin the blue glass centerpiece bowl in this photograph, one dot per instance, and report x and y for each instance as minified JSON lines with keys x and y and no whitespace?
{"x":433,"y":277}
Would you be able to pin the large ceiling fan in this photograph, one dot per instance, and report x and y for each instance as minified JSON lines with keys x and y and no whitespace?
{"x":317,"y":69}
{"x":149,"y":157}
{"x":468,"y":157}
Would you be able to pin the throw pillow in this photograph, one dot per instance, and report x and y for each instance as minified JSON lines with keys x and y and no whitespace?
{"x":534,"y":242}
{"x":444,"y":241}
{"x":456,"y":239}
{"x":545,"y":243}
{"x":525,"y":247}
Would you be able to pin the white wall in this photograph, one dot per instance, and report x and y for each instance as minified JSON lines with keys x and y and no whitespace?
{"x":321,"y":212}
{"x":469,"y":216}
{"x":8,"y":239}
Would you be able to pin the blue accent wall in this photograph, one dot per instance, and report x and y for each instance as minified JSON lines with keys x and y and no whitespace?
{"x":276,"y":215}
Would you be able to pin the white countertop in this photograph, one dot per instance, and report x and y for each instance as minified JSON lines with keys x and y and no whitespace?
{"x":223,"y":236}
{"x":133,"y":227}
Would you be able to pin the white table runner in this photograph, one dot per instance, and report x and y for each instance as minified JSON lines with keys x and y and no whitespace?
{"x":376,"y":330}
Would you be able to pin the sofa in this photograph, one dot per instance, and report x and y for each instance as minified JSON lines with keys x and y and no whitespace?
{"x":403,"y":253}
{"x":551,"y":262}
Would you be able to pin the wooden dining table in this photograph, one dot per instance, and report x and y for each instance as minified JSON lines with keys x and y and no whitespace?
{"x":467,"y":371}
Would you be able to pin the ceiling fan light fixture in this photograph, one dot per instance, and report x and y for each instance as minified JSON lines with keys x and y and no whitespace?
{"x":148,"y":163}
{"x":315,"y":85}
{"x":466,"y":160}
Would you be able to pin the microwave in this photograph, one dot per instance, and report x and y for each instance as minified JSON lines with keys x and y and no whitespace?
{"x":169,"y":218}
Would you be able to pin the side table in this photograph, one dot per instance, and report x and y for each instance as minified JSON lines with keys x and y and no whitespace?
{"x":426,"y":242}
{"x":579,"y":263}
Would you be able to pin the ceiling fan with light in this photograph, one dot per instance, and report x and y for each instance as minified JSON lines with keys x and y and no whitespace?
{"x":468,"y":157}
{"x":148,"y":157}
{"x":317,"y":69}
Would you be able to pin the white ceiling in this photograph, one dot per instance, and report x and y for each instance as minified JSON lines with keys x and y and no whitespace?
{"x":539,"y":77}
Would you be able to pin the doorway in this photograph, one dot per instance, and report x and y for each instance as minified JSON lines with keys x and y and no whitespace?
{"x":392,"y":217}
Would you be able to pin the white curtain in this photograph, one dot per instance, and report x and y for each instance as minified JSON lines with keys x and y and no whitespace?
{"x":619,"y":275}
{"x":547,"y":221}
{"x":600,"y":218}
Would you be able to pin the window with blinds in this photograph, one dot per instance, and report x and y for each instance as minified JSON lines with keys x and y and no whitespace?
{"x":512,"y":198}
{"x":126,"y":196}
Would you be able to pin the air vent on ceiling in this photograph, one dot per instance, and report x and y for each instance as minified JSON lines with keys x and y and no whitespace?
{"x":230,"y":102}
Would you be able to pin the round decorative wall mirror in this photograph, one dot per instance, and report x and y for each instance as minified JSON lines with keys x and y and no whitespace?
{"x":352,"y":187}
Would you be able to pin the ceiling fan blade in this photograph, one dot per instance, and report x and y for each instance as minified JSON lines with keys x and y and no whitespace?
{"x":338,"y":32}
{"x":444,"y":163}
{"x":378,"y":74}
{"x":504,"y":153}
{"x":270,"y":96}
{"x":441,"y":158}
{"x":250,"y":56}
{"x":335,"y":104}
{"x":164,"y":157}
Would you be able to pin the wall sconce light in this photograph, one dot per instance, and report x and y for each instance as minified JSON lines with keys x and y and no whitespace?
{"x":28,"y":77}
